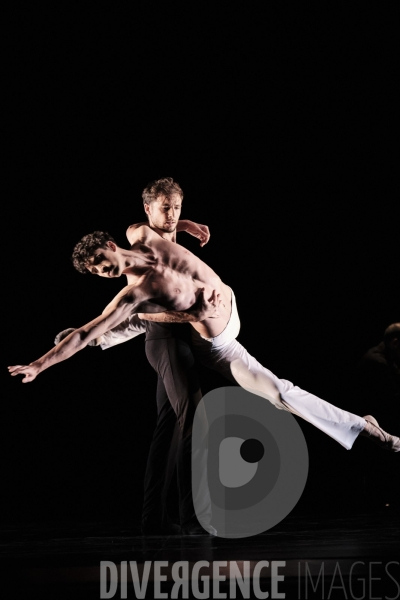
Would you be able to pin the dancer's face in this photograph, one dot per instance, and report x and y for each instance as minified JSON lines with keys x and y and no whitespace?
{"x":164,"y":212}
{"x":104,"y":262}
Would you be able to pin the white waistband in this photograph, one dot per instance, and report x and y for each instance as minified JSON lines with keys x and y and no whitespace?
{"x":230,"y":332}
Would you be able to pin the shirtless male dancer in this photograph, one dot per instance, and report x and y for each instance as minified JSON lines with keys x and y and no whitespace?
{"x":166,"y":278}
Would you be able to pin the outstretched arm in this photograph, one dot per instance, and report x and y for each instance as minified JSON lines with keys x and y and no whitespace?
{"x":121,"y":308}
{"x":124,"y":331}
{"x":199,"y":231}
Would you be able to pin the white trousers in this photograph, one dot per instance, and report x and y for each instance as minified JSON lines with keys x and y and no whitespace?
{"x":224,"y":354}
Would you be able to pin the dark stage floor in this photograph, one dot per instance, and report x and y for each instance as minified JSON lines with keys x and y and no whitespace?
{"x":341,"y":556}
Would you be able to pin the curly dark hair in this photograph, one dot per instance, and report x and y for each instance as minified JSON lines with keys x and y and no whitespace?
{"x":166,"y":186}
{"x":86,"y":247}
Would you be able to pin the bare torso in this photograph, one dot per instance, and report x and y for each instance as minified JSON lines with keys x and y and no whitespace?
{"x":172,"y":278}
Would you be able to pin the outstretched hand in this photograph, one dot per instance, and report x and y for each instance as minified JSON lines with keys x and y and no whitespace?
{"x":199,"y":231}
{"x":29,"y":371}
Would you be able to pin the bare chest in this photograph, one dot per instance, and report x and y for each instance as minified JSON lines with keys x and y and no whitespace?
{"x":169,"y":289}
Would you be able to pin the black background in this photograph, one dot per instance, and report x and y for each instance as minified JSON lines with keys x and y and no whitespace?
{"x":279,"y":126}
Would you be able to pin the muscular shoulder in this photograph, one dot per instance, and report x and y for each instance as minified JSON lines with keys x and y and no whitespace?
{"x":139,"y":232}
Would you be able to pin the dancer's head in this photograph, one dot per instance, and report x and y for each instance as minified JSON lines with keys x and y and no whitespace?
{"x":97,"y":253}
{"x":391,"y":339}
{"x":162,"y":200}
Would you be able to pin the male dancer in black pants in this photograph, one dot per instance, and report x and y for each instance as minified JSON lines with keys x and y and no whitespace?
{"x":178,"y":392}
{"x":178,"y":389}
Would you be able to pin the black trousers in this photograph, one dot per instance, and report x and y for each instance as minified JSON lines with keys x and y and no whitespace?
{"x":178,"y":392}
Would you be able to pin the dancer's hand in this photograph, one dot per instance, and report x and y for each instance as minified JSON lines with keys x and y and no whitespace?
{"x":200,"y":231}
{"x":29,"y":371}
{"x":208,"y":308}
